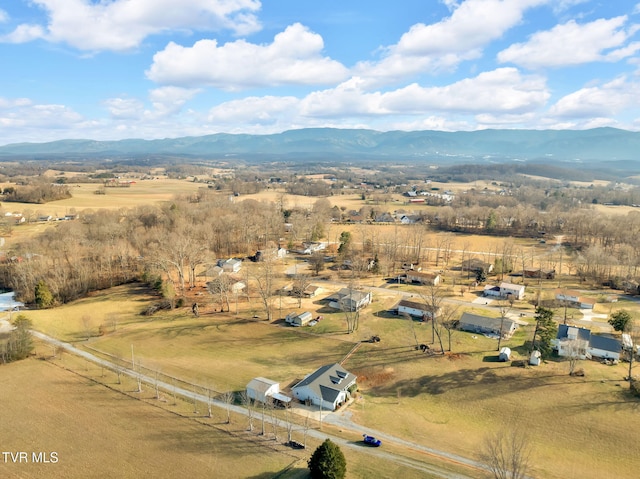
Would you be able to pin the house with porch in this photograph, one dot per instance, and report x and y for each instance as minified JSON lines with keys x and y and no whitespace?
{"x":348,"y":299}
{"x":590,"y":345}
{"x":328,"y":387}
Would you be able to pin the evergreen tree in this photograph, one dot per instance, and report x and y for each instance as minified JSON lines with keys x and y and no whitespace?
{"x":44,"y":298}
{"x":327,"y":462}
{"x":620,"y":320}
{"x":546,"y":331}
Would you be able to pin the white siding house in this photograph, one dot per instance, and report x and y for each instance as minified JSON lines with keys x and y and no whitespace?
{"x":349,"y":299}
{"x":327,"y":387}
{"x":591,"y":345}
{"x":419,"y":310}
{"x":516,"y":290}
{"x":574,"y":299}
{"x":431,"y":279}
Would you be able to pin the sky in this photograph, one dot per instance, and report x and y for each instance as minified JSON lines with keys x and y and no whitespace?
{"x":117,"y":69}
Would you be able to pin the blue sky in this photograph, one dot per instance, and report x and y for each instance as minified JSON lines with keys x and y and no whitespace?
{"x":115,"y":69}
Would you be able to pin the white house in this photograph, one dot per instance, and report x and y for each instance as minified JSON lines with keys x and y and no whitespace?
{"x":328,"y":387}
{"x":574,"y":299}
{"x":348,"y":299}
{"x":590,"y":345}
{"x":419,"y":310}
{"x":484,"y":325}
{"x":431,"y":279}
{"x":514,"y":290}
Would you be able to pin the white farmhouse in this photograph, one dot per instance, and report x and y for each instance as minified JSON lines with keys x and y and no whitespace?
{"x":328,"y":387}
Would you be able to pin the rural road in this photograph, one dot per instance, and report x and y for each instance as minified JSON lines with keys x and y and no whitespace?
{"x":339,"y":419}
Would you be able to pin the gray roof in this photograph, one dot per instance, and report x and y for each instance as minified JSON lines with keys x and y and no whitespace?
{"x":469,"y":319}
{"x":328,"y":380}
{"x":604,"y":343}
{"x":563,"y":329}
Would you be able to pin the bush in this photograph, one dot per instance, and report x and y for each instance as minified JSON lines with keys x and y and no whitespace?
{"x":327,"y":462}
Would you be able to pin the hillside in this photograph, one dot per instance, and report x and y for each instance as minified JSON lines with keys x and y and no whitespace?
{"x":574,"y":147}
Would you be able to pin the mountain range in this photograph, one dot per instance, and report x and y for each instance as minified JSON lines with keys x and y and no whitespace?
{"x":588,"y":147}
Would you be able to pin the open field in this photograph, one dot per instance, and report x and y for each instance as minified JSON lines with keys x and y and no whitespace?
{"x":143,"y":192}
{"x":97,"y":432}
{"x":98,"y":427}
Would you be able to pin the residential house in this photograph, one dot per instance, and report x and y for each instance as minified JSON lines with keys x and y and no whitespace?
{"x":590,"y":345}
{"x":475,"y":265}
{"x":348,"y":299}
{"x":328,"y":387}
{"x":539,"y":273}
{"x":483,"y":325}
{"x":516,"y":291}
{"x":574,"y":299}
{"x":430,"y":279}
{"x":419,"y":310}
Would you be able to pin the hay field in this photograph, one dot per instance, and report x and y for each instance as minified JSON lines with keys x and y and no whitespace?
{"x":143,"y":192}
{"x":97,"y":432}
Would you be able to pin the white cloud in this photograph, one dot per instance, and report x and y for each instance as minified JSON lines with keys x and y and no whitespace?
{"x":4,"y":16}
{"x":502,"y":90}
{"x":23,"y":33}
{"x":443,"y":45}
{"x":598,"y":101}
{"x":123,"y":24}
{"x":170,"y":100}
{"x":573,"y":44}
{"x":256,"y":110}
{"x":294,"y":58}
{"x":125,"y":108}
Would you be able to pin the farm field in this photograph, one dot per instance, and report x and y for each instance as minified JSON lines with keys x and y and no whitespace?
{"x":98,"y":428}
{"x":97,"y":432}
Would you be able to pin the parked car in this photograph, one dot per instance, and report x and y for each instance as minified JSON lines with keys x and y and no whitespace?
{"x":295,"y":445}
{"x":371,"y":441}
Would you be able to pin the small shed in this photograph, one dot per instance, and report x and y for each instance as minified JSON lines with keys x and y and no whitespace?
{"x":505,"y":354}
{"x":534,"y":359}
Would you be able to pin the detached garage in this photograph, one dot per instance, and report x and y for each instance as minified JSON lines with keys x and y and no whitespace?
{"x":264,"y":390}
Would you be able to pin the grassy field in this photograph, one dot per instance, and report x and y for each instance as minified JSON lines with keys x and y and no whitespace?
{"x":98,"y":432}
{"x":98,"y":428}
{"x":579,"y":426}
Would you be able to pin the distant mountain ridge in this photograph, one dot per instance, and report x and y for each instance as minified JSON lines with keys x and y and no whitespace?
{"x":586,"y":146}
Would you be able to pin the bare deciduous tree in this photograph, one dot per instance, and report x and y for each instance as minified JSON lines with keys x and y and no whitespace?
{"x":228,"y":397}
{"x":249,"y":405}
{"x":507,"y":454}
{"x":575,"y":350}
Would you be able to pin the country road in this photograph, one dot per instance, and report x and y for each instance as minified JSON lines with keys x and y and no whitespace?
{"x":338,"y":419}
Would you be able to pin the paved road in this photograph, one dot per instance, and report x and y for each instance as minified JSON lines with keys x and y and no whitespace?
{"x":332,"y":418}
